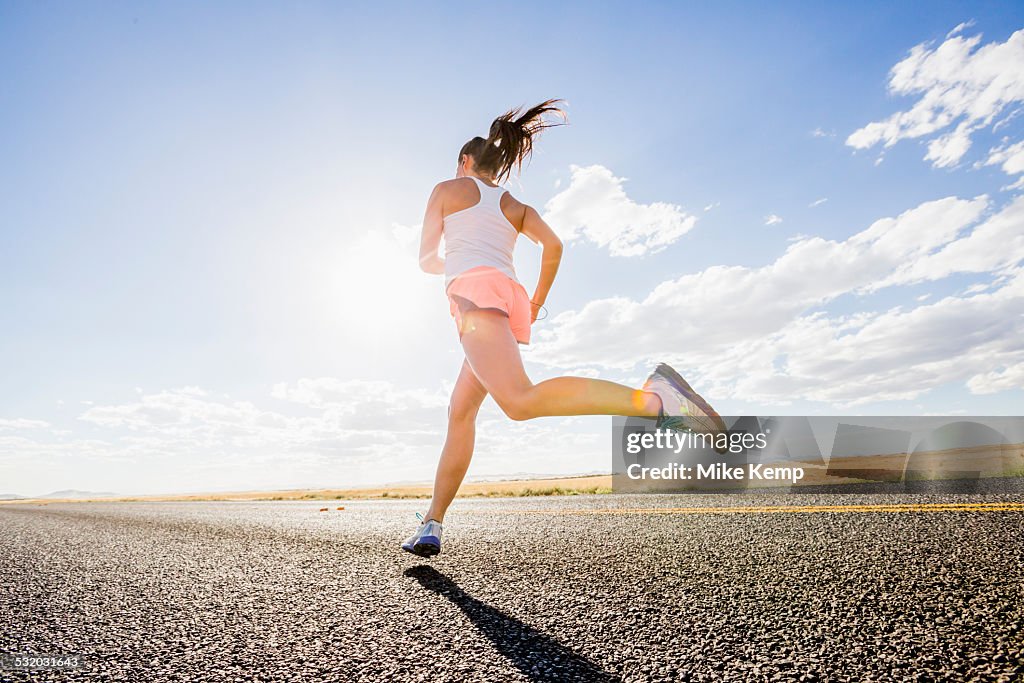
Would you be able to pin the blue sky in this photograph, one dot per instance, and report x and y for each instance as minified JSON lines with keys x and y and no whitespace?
{"x":207,"y":214}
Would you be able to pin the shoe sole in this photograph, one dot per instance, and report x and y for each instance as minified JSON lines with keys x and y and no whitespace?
{"x":684,"y":387}
{"x":669,"y":373}
{"x":423,"y":549}
{"x":426,"y":549}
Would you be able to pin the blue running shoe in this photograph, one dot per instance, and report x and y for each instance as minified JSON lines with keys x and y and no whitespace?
{"x":684,"y":409}
{"x":427,"y":541}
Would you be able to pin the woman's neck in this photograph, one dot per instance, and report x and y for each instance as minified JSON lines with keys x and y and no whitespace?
{"x":487,"y":181}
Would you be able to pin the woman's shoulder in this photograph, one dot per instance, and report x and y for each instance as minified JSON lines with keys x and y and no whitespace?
{"x":460,"y":185}
{"x":454,"y":188}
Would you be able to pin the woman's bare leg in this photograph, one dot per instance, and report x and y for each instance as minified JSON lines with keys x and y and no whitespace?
{"x":467,"y":396}
{"x":493,"y":355}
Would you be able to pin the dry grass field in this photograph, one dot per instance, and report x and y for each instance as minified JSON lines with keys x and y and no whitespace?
{"x":601,"y":483}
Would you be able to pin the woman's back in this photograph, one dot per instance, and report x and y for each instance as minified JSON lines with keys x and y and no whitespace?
{"x":480,"y":234}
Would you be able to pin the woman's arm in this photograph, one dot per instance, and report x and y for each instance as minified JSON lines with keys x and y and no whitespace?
{"x":537,"y":230}
{"x":430,"y":238}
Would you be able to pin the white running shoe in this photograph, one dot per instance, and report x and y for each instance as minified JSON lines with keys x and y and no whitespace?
{"x":682,"y":407}
{"x":426,"y":542}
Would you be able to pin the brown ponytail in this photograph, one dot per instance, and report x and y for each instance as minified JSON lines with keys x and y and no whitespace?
{"x":510,"y":140}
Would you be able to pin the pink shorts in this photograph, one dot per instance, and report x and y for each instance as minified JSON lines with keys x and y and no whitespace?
{"x":487,"y":287}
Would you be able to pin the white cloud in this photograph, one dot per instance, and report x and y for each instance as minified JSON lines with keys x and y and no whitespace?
{"x":406,"y":235}
{"x":1003,"y":122}
{"x":595,"y":207}
{"x":1011,"y":377}
{"x":19,"y":423}
{"x":993,"y":246}
{"x":763,"y":334}
{"x":359,"y":397}
{"x":817,"y":202}
{"x":342,"y":418}
{"x":948,"y":149}
{"x":960,"y":27}
{"x":328,"y":432}
{"x":958,"y":85}
{"x":1009,"y":157}
{"x":819,"y":133}
{"x":772,"y":219}
{"x":323,"y":391}
{"x":895,"y":355}
{"x":17,"y":452}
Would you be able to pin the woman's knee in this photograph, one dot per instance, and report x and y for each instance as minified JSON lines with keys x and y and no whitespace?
{"x":463,"y":410}
{"x":517,"y":405}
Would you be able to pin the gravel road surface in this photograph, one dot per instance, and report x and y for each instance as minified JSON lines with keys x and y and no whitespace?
{"x":537,"y":589}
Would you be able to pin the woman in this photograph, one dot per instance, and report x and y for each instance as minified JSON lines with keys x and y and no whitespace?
{"x":493,"y":312}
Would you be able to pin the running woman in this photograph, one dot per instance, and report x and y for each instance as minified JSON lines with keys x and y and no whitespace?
{"x":493,"y":312}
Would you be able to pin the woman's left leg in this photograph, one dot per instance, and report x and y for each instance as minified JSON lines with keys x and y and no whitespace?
{"x":467,"y":396}
{"x":493,"y":355}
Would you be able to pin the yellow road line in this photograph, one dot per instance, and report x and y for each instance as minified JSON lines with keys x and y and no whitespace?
{"x":771,"y":509}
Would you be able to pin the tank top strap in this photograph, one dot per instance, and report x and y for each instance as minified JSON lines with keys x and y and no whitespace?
{"x":489,"y":196}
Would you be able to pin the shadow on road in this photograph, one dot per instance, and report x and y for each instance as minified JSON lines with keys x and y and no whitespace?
{"x":537,"y":655}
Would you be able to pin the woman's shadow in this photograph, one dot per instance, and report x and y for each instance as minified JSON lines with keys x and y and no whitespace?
{"x":537,"y":655}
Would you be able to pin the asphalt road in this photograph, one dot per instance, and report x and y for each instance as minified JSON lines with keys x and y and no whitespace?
{"x":577,"y":588}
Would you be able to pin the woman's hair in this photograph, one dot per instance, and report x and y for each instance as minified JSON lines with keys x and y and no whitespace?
{"x":510,"y":141}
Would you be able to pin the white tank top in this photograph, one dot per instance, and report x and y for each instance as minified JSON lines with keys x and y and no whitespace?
{"x":479,"y":236}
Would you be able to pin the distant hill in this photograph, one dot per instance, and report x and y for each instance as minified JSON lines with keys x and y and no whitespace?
{"x":10,"y":496}
{"x":72,"y":493}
